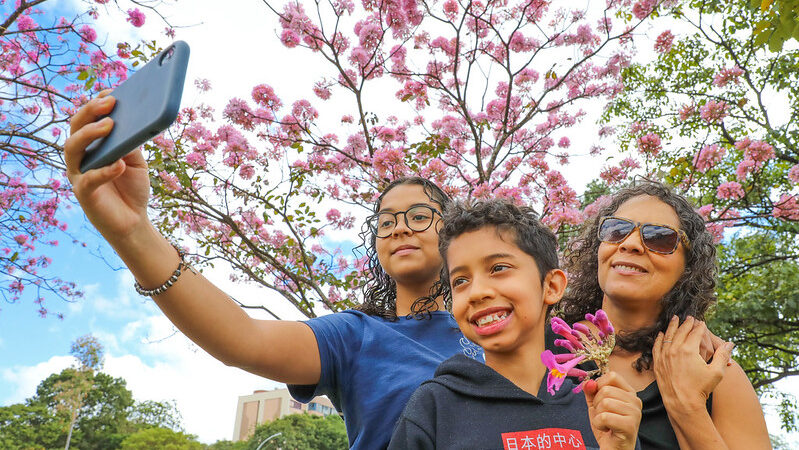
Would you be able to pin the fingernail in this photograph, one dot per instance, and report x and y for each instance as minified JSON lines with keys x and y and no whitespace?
{"x":674,"y":317}
{"x":105,"y":101}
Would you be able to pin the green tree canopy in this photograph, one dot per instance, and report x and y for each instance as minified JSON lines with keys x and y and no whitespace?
{"x":302,"y":431}
{"x":162,"y":439}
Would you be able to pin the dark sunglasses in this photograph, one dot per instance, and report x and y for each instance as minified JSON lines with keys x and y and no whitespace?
{"x":655,"y":237}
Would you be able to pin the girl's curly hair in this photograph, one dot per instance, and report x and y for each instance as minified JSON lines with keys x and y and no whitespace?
{"x":380,"y":290}
{"x":691,"y":295}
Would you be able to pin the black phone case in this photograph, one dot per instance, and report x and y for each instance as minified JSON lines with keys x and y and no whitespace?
{"x":146,"y":104}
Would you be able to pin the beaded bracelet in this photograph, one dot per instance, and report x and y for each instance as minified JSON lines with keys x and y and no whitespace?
{"x":183,"y":264}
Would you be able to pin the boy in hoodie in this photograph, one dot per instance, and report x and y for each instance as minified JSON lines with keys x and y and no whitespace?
{"x":502,"y":268}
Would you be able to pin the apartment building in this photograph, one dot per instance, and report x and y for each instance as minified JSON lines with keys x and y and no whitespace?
{"x":263,"y":406}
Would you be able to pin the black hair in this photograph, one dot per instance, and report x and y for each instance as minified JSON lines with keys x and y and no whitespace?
{"x":691,"y":295}
{"x":528,"y":233}
{"x":380,"y":290}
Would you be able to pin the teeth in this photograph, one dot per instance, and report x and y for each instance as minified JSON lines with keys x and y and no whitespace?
{"x":623,"y":267}
{"x":491,"y":318}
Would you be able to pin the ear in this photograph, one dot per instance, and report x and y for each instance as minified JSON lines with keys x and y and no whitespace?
{"x":554,"y":286}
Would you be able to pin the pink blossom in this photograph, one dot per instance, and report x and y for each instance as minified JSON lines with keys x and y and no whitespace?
{"x":727,"y":75}
{"x":21,"y":239}
{"x":321,"y":90}
{"x":705,"y":210}
{"x":196,"y":160}
{"x":265,"y":96}
{"x":642,"y":8}
{"x":135,"y":17}
{"x":687,"y":111}
{"x":202,"y":84}
{"x":560,"y":366}
{"x":730,"y":191}
{"x":759,"y":151}
{"x":793,"y":174}
{"x":709,"y":156}
{"x":664,"y":41}
{"x":170,"y":181}
{"x":649,"y":144}
{"x":714,"y":111}
{"x":564,"y":142}
{"x":451,"y":9}
{"x":786,"y":207}
{"x":87,"y":33}
{"x":25,"y":23}
{"x":246,"y":171}
{"x":593,"y":209}
{"x":290,"y":38}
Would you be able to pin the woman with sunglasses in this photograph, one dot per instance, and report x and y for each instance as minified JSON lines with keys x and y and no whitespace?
{"x":649,"y":262}
{"x":367,"y":361}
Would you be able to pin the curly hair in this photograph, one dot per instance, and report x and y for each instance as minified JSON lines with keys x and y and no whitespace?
{"x":380,"y":290}
{"x":529,"y":234}
{"x":691,"y":295}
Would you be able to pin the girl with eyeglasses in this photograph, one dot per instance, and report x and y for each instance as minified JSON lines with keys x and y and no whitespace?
{"x":368,"y":362}
{"x":649,"y":262}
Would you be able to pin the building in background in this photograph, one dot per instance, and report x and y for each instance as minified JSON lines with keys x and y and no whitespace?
{"x":264,"y":406}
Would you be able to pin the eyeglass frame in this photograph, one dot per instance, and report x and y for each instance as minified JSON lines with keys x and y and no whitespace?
{"x":404,"y":217}
{"x":683,"y":236}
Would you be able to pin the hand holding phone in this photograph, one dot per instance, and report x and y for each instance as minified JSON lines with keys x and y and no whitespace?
{"x":146,"y":104}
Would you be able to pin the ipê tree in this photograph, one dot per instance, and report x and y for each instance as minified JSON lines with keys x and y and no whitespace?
{"x":717,"y":115}
{"x":478,"y":96}
{"x":49,"y":65}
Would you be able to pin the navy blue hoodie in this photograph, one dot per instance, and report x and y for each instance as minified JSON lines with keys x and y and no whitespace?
{"x":468,"y":405}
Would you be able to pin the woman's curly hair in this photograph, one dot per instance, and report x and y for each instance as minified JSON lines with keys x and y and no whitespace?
{"x":380,"y":290}
{"x":691,"y":295}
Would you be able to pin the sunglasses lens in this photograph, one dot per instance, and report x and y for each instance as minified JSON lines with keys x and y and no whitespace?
{"x":659,"y":239}
{"x":615,"y":230}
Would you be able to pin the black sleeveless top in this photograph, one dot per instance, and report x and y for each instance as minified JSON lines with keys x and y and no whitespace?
{"x":655,"y":431}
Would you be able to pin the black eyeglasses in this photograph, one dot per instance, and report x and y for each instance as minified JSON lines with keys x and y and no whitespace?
{"x":655,"y":237}
{"x":417,"y":218}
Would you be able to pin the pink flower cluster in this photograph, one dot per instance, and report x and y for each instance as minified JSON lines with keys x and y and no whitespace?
{"x":713,"y":111}
{"x":727,"y":75}
{"x":787,"y":207}
{"x":643,"y":8}
{"x":135,"y":17}
{"x":649,"y":144}
{"x":664,"y":41}
{"x":730,"y":190}
{"x":583,"y":343}
{"x":793,"y":174}
{"x":708,"y":157}
{"x":756,"y":153}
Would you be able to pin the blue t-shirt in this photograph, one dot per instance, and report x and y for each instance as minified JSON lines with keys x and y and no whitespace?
{"x":371,"y":366}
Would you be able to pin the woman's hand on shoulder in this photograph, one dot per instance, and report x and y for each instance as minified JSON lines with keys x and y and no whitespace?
{"x":614,"y":410}
{"x":684,"y":378}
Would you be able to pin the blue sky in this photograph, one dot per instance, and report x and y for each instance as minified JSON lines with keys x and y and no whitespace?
{"x":141,"y":345}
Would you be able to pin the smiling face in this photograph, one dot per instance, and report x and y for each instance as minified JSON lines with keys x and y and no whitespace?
{"x":498,"y":298}
{"x":407,"y":256}
{"x":632,"y":276}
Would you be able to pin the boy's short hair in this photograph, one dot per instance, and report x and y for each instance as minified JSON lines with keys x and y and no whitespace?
{"x":529,"y":234}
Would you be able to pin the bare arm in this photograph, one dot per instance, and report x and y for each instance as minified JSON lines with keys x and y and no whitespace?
{"x":114,"y":199}
{"x":685,"y":381}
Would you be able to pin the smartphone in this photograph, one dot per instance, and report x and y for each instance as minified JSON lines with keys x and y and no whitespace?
{"x":146,"y":104}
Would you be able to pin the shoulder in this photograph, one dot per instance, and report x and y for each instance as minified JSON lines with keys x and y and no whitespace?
{"x":736,"y":410}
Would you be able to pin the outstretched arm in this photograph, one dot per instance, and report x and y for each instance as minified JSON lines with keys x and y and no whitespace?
{"x":685,"y":381}
{"x":114,"y":199}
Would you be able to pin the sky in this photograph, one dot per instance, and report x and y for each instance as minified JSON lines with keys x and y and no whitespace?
{"x":235,"y":49}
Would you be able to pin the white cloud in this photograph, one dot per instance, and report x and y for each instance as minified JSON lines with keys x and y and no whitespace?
{"x":26,"y":378}
{"x":204,"y":389}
